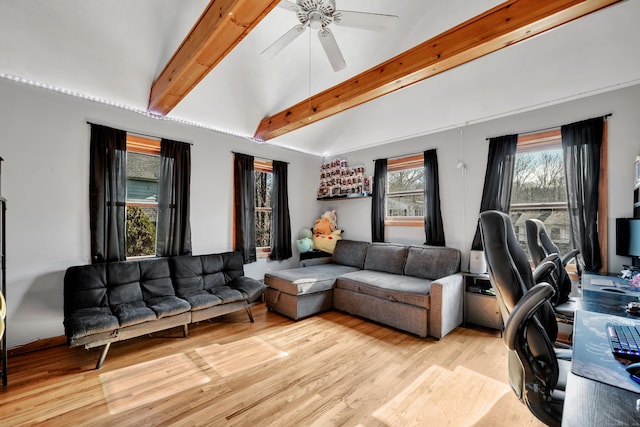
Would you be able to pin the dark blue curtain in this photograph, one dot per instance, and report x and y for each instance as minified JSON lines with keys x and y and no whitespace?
{"x":433,"y":227}
{"x":378,"y":200}
{"x":244,"y":203}
{"x":498,"y":179}
{"x":174,"y":229}
{"x":280,"y":222}
{"x":581,"y":146}
{"x":107,"y":193}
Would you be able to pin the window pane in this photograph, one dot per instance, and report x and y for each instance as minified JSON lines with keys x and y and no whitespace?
{"x":556,"y":221}
{"x":263,"y":189}
{"x":141,"y":231}
{"x":405,"y":180}
{"x":539,"y":177}
{"x":405,"y":205}
{"x":263,"y":228}
{"x":143,"y":174}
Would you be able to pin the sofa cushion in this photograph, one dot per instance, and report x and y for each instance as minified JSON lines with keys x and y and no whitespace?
{"x":167,"y":306}
{"x":350,"y":253}
{"x":306,"y":280}
{"x":133,"y":313}
{"x":88,"y":321}
{"x":432,"y":262}
{"x":199,"y":300}
{"x":386,"y":257}
{"x":155,"y":278}
{"x":227,"y":294}
{"x":85,"y":286}
{"x":251,"y":288}
{"x":403,"y":289}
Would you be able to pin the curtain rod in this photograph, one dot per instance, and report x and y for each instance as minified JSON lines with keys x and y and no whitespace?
{"x":138,"y":133}
{"x":406,"y":155}
{"x":553,"y":127}
{"x":258,"y":157}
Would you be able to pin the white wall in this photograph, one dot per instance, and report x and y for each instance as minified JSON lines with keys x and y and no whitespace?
{"x":44,"y":139}
{"x":461,"y":193}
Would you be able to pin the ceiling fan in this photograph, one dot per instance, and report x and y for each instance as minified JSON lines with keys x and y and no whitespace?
{"x":318,"y":15}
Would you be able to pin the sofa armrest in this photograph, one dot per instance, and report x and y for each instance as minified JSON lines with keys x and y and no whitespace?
{"x":447,"y":299}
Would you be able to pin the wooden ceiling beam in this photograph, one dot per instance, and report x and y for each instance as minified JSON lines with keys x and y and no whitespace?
{"x":222,"y":25}
{"x":502,"y":26}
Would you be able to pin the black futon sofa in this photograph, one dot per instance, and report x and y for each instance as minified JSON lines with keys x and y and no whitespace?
{"x":109,"y":302}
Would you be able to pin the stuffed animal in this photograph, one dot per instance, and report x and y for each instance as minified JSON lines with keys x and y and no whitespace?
{"x":327,"y":242}
{"x":327,"y":223}
{"x":323,"y":226}
{"x":305,"y":243}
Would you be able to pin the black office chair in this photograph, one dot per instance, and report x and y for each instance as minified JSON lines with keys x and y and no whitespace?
{"x":542,"y":248}
{"x":510,"y":273}
{"x":537,"y":367}
{"x":536,"y":375}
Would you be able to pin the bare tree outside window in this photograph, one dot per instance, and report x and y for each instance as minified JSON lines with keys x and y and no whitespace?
{"x":405,"y":193}
{"x":263,"y":186}
{"x":539,"y":192}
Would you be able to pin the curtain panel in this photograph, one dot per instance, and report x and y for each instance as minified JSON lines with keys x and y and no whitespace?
{"x":107,"y":193}
{"x":581,"y":146}
{"x":498,"y":180}
{"x":378,"y":200}
{"x":280,"y":222}
{"x":173,"y":227}
{"x":244,"y":205}
{"x":433,"y":227}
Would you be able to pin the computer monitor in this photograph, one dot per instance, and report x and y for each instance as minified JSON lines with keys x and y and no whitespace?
{"x":628,"y":237}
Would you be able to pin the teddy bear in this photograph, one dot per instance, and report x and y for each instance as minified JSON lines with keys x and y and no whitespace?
{"x":326,"y":224}
{"x":305,"y":243}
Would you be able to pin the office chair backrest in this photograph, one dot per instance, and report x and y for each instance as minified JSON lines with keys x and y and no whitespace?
{"x":509,"y":269}
{"x":541,"y":246}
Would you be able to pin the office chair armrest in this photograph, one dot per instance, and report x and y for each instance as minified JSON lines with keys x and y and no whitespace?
{"x":524,"y":309}
{"x":545,"y":267}
{"x":568,"y":257}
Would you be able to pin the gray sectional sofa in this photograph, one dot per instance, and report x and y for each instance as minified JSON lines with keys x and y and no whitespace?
{"x":418,"y":289}
{"x":109,"y":302}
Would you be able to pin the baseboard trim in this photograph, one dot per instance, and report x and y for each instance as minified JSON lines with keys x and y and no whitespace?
{"x":37,"y":345}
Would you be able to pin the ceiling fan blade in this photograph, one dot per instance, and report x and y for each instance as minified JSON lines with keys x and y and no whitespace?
{"x":283,"y":41}
{"x":364,"y":20}
{"x":330,"y":46}
{"x":284,"y":4}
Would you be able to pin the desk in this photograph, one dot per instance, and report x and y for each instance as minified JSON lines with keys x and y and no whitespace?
{"x":607,"y":294}
{"x":589,"y":402}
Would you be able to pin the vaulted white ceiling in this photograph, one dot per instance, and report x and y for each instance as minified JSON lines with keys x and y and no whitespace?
{"x":113,"y":50}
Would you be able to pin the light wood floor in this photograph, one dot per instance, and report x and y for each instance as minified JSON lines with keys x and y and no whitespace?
{"x":328,"y":370}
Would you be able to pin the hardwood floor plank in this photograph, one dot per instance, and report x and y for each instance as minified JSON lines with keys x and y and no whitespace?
{"x":338,"y":370}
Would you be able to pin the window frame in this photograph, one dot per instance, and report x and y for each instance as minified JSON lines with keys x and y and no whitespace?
{"x":399,"y":164}
{"x":142,"y":145}
{"x":265,"y":166}
{"x":552,"y":138}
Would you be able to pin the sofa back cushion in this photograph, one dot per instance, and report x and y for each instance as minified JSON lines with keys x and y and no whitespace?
{"x":123,"y":282}
{"x":386,"y":257}
{"x":85,"y":286}
{"x":155,"y":278}
{"x":200,"y":272}
{"x":350,"y":253}
{"x":432,"y":262}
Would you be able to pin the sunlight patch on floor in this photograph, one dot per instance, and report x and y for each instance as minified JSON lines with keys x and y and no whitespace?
{"x":461,"y":397}
{"x":237,"y":356}
{"x":147,"y":382}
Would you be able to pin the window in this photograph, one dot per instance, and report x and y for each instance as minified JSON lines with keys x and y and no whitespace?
{"x":405,"y":191}
{"x":539,"y":189}
{"x":143,"y":176}
{"x":263,"y":186}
